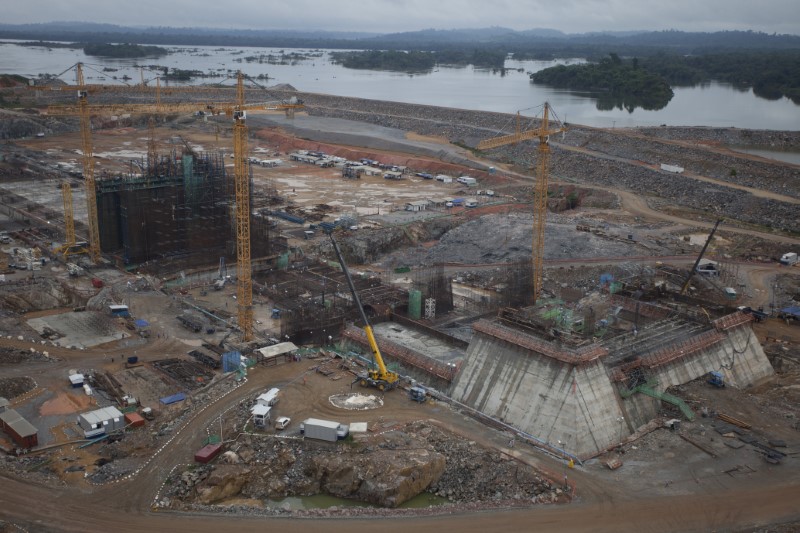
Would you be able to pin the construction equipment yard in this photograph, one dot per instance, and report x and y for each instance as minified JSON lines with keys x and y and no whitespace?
{"x":588,"y":407}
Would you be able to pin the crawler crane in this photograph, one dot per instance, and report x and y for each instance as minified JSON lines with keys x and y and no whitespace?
{"x":380,"y":378}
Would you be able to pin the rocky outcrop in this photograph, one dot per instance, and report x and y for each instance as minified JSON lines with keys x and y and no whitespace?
{"x":225,"y":481}
{"x":384,"y":477}
{"x":386,"y":469}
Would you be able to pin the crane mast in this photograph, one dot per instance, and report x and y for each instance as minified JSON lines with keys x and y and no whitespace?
{"x":69,"y":222}
{"x":88,"y":168}
{"x":543,"y":133}
{"x":244,"y":288}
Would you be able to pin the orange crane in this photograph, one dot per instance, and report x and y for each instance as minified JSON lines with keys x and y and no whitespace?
{"x":543,"y":132}
{"x":238,"y":111}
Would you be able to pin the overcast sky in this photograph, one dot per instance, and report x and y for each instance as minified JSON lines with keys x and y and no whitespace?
{"x":387,"y":16}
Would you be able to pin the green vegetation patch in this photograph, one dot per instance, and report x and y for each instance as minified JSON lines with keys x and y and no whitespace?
{"x":622,"y":84}
{"x":771,"y":74}
{"x":417,"y":61}
{"x":123,"y":50}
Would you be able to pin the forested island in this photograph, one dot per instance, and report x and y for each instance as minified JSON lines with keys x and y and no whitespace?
{"x":418,"y":61}
{"x":622,"y":84}
{"x":124,"y":51}
{"x":647,"y":82}
{"x":772,"y":75}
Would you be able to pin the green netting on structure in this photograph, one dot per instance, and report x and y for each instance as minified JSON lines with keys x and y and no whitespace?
{"x":648,"y":390}
{"x":212,"y":439}
{"x":283,"y":261}
{"x":415,"y":304}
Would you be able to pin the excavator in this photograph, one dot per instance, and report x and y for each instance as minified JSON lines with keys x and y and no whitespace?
{"x":381,"y":378}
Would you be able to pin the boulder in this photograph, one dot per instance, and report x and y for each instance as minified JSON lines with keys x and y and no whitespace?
{"x":226,"y":481}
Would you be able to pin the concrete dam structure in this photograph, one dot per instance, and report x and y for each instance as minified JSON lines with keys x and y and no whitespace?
{"x":585,"y":396}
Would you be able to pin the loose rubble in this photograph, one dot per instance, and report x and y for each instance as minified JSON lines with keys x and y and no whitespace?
{"x":385,"y":469}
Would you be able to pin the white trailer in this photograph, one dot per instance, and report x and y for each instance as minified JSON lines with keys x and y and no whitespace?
{"x":314,"y":428}
{"x":789,"y":259}
{"x":672,"y":168}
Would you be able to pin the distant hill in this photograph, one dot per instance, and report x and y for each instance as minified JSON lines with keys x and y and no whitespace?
{"x":538,"y":42}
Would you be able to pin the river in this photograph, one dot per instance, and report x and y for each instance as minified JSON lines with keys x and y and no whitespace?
{"x":712,"y":104}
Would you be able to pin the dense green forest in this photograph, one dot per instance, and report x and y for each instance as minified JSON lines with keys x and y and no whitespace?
{"x":623,"y":84}
{"x":386,"y":60}
{"x":123,"y":50}
{"x":772,"y":75}
{"x":646,"y":83}
{"x":414,"y":61}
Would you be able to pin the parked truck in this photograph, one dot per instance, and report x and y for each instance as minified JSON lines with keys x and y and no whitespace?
{"x":789,"y":259}
{"x":314,"y":428}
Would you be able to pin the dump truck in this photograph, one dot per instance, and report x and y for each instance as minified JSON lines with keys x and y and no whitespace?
{"x":380,"y":378}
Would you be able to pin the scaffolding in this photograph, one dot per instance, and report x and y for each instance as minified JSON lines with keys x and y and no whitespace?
{"x":176,"y":207}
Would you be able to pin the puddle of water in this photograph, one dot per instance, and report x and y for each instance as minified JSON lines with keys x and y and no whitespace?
{"x":779,"y":155}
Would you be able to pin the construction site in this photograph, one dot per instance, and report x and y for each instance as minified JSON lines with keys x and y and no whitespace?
{"x":542,"y":318}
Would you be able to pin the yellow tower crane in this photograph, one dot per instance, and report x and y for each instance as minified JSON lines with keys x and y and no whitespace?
{"x":241,"y":173}
{"x":238,"y":111}
{"x":88,"y":169}
{"x":543,"y":132}
{"x":70,"y":245}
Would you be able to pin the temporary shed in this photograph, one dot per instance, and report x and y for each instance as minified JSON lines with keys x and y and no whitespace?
{"x":101,"y":421}
{"x":261,"y":414}
{"x":277,"y":353}
{"x":419,"y":205}
{"x":269,"y":398}
{"x":76,"y":380}
{"x":20,"y":430}
{"x":792,"y":311}
{"x":119,"y":310}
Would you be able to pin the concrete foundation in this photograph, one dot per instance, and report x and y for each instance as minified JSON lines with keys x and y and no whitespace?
{"x":570,"y":398}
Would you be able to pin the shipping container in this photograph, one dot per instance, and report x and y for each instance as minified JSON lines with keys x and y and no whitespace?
{"x":207,"y":453}
{"x":134,"y":420}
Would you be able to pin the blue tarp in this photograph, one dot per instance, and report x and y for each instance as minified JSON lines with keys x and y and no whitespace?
{"x":142,"y":323}
{"x":231,"y":361}
{"x":792,"y":310}
{"x":174,"y":398}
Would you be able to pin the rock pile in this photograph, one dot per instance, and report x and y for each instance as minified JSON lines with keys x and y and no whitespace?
{"x":385,"y":469}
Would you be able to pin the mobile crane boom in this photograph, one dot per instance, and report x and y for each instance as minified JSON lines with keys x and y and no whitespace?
{"x":381,"y":378}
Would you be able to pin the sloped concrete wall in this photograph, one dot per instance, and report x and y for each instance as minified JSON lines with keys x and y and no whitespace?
{"x":579,"y":405}
{"x":739,"y":357}
{"x":549,"y":399}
